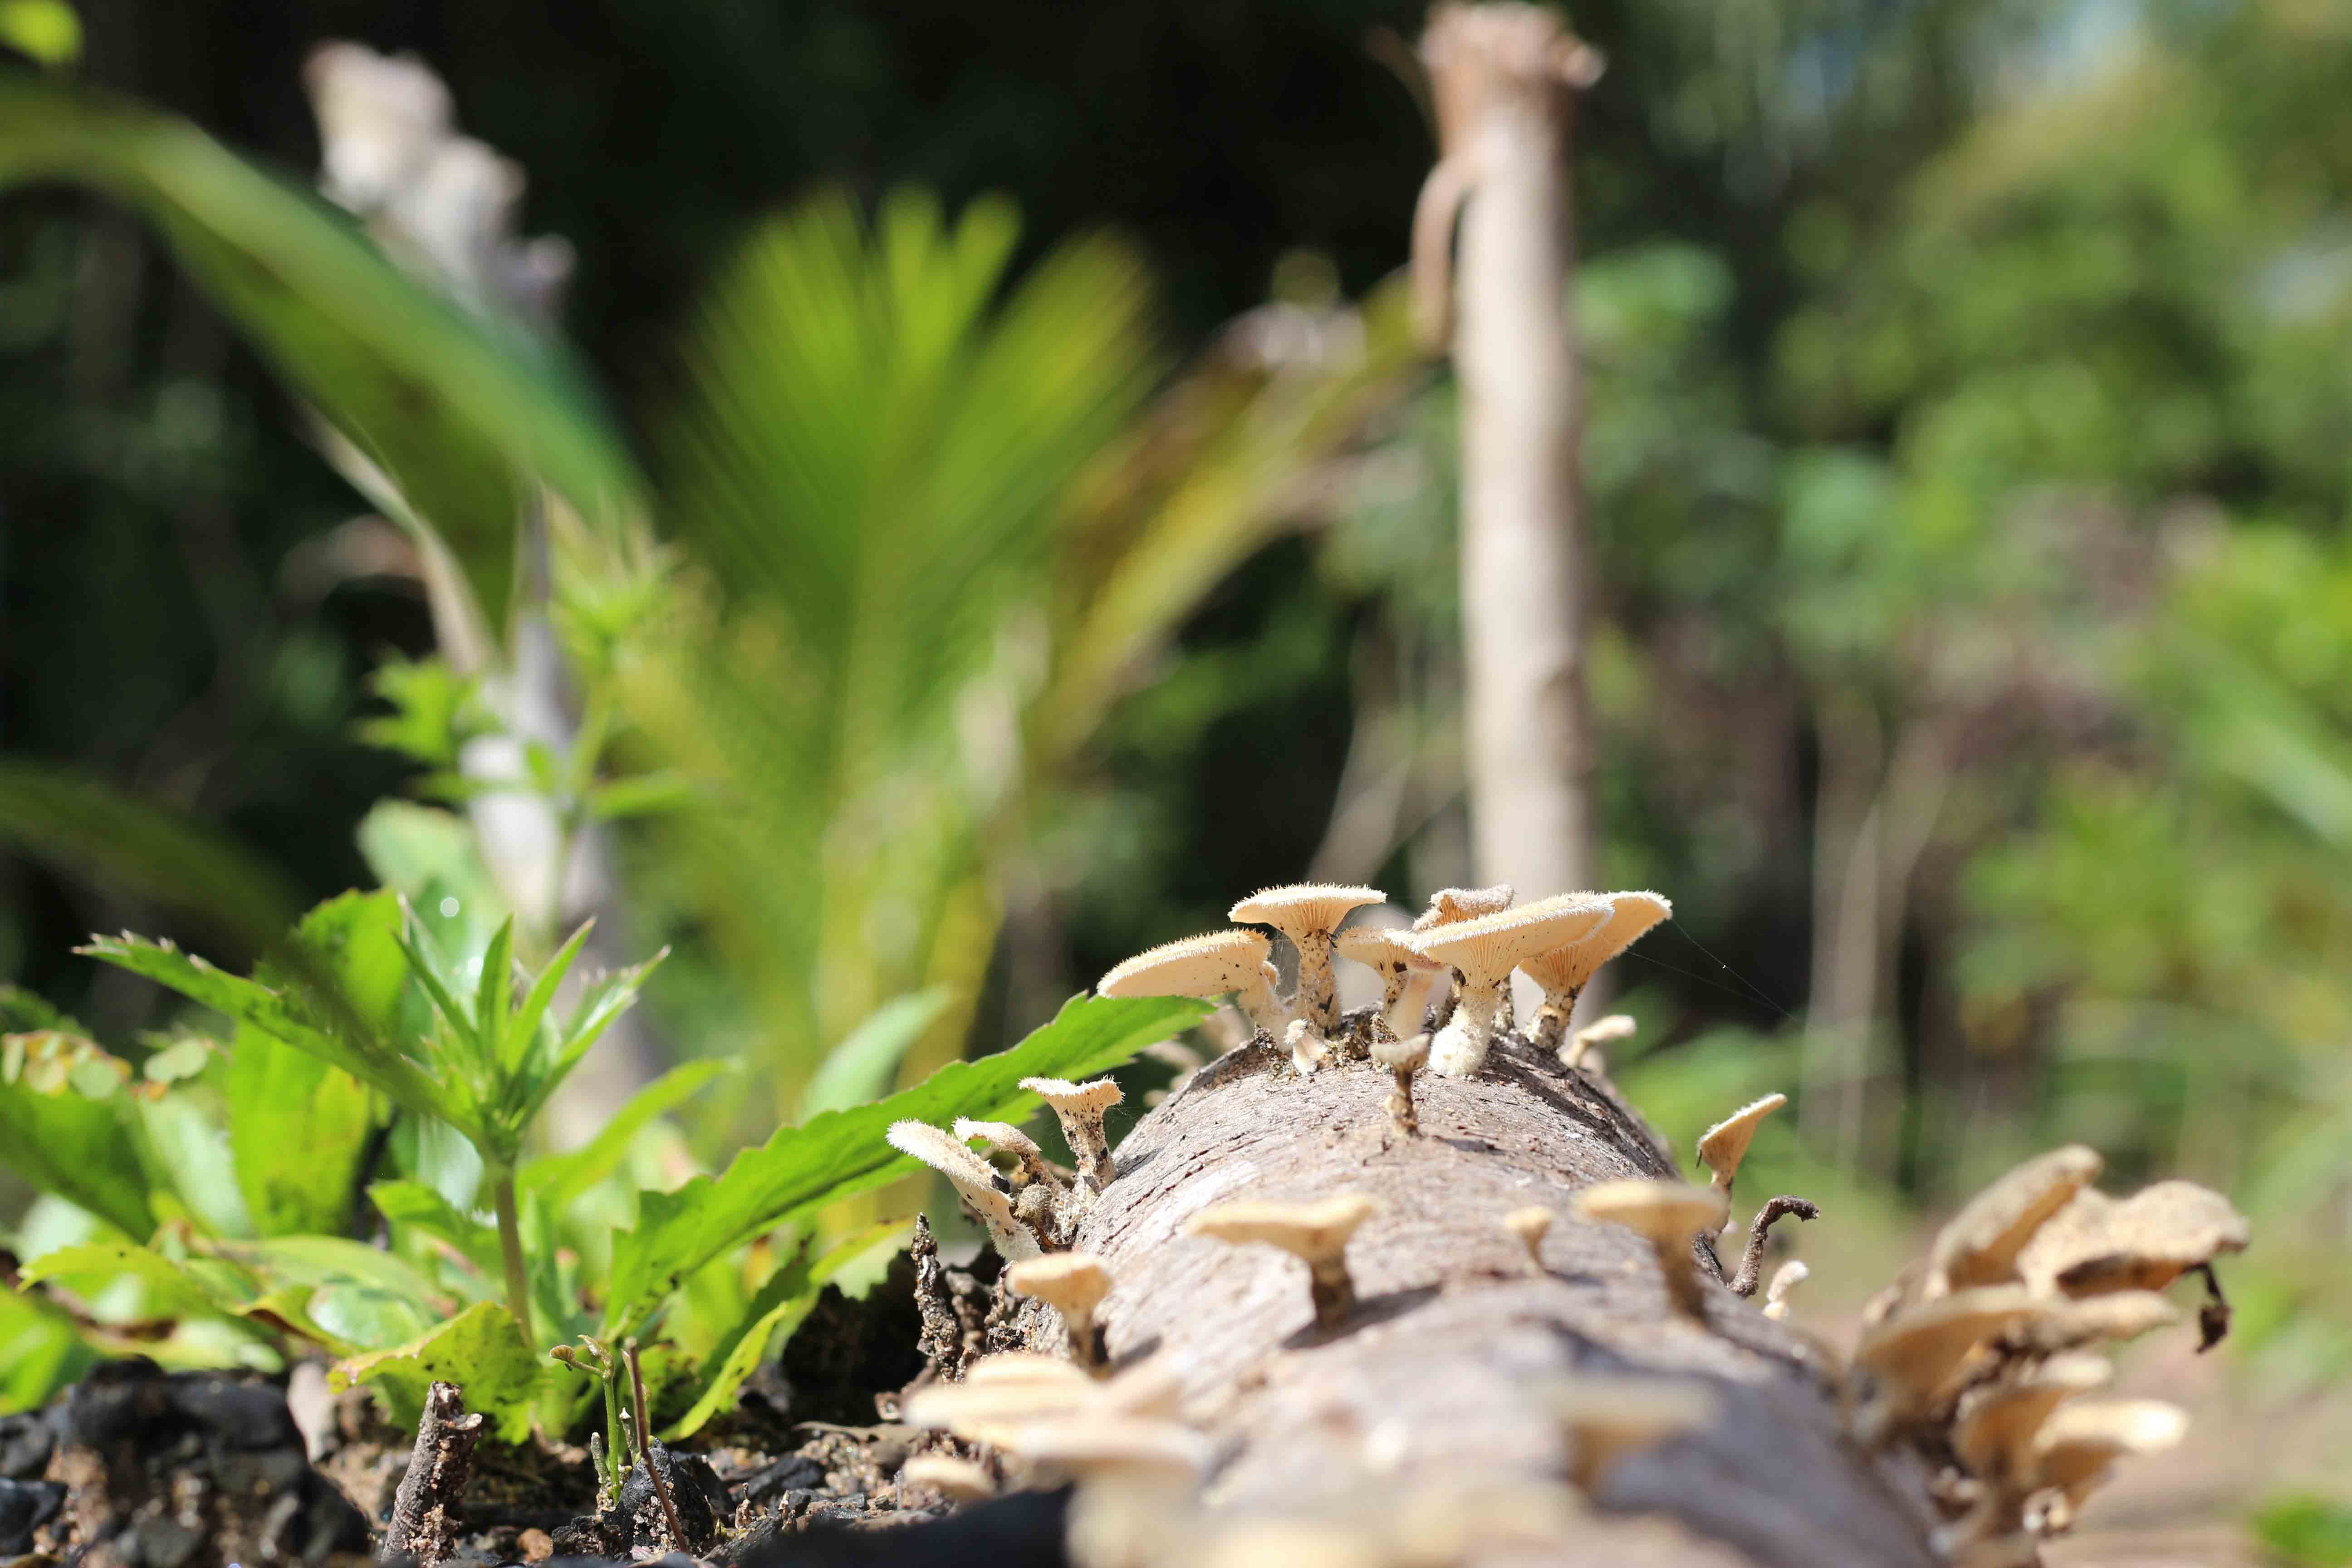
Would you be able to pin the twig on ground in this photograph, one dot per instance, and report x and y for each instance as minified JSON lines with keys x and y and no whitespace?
{"x":424,"y":1511}
{"x":645,"y":1451}
{"x":1751,"y":1262}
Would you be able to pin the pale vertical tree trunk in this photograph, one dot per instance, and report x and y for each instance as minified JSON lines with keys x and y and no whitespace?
{"x":1502,"y":77}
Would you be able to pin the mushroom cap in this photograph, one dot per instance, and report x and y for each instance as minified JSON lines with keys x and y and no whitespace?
{"x":1384,"y":948}
{"x":1106,"y":1443}
{"x":1072,"y":1283}
{"x":945,"y":1153}
{"x":1722,"y":1146}
{"x":1616,"y":1415}
{"x":1980,"y":1244}
{"x":2125,"y":1315}
{"x":999,"y":1135}
{"x":1488,"y":948}
{"x":2097,"y":1244}
{"x":1311,"y":1231}
{"x":2076,"y":1445}
{"x":1916,"y":1350}
{"x":959,"y":1480}
{"x":1448,"y":905}
{"x":1096,"y":1096}
{"x":1207,"y":965}
{"x":1570,"y":965}
{"x":1304,"y":909}
{"x":1529,"y":1224}
{"x":1023,"y":1366}
{"x":984,"y":1412}
{"x":1601,"y":1031}
{"x":1410,"y":1052}
{"x":1667,"y":1212}
{"x":1996,"y":1426}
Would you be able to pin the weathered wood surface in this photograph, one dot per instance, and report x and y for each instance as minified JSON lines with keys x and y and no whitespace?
{"x":1438,"y":1380}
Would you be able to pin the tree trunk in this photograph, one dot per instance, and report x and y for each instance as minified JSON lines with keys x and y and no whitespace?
{"x":1440,"y":1379}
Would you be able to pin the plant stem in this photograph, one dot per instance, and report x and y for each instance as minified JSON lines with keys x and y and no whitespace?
{"x":503,"y":1195}
{"x":646,"y":1449}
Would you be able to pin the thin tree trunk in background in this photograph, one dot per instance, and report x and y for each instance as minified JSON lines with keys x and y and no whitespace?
{"x":1501,"y":77}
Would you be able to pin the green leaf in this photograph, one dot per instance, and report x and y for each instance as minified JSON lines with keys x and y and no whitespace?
{"x":494,"y":1000}
{"x":645,"y":794}
{"x":80,"y":1149}
{"x":859,"y":1069}
{"x":522,"y":1034}
{"x":481,"y":1349}
{"x":556,"y":1179}
{"x":172,"y":1289}
{"x":421,"y":1206}
{"x":413,"y":848}
{"x":605,"y":999}
{"x":48,"y":31}
{"x":840,"y":1152}
{"x":773,"y":1313}
{"x":298,"y":1128}
{"x":459,"y":414}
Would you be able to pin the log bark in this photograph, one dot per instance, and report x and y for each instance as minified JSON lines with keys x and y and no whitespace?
{"x":1439,"y":1381}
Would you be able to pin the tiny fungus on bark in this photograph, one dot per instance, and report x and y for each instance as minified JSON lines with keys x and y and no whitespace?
{"x":1980,"y":1244}
{"x":1023,"y":1366}
{"x":989,"y":1412}
{"x":1484,"y":952}
{"x":1608,"y":1419}
{"x":1316,"y":1234}
{"x":1904,"y":1364}
{"x":2098,"y":1244}
{"x":1722,"y":1146}
{"x":1448,"y":905}
{"x":2069,"y":1325}
{"x":1785,"y":1279}
{"x":1002,"y":1137}
{"x":957,"y":1481}
{"x":1405,"y":974}
{"x":1073,"y":1284}
{"x":1306,"y":1046}
{"x":1079,"y":1108}
{"x":1309,"y":915}
{"x":1565,"y":970}
{"x":1529,"y":1224}
{"x":1216,"y":964}
{"x":1994,"y":1429}
{"x":973,"y":1179}
{"x":1599,"y":1032}
{"x":1110,"y":1446}
{"x":2080,"y":1444}
{"x":1403,"y":1058}
{"x":1667,"y":1215}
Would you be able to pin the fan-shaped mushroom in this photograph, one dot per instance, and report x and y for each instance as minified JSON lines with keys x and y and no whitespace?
{"x":1448,"y":905}
{"x":1608,"y":1419}
{"x":973,"y":1179}
{"x":2098,"y":1244}
{"x":1530,"y":1225}
{"x":1002,"y":1137}
{"x":1722,"y":1146}
{"x":1565,"y":970}
{"x":1309,"y":915}
{"x":1073,"y":1284}
{"x":1316,"y":1234}
{"x":2080,"y":1442}
{"x":1405,"y":974}
{"x":1909,"y":1360}
{"x":1666,"y":1215}
{"x":1079,"y":1108}
{"x":1980,"y":1244}
{"x":1484,"y":952}
{"x":1215,"y":964}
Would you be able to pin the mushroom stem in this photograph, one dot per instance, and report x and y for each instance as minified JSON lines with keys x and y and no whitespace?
{"x":1407,"y":1001}
{"x":1306,"y":1046}
{"x":1751,"y":1262}
{"x":1460,"y":1047}
{"x":1551,"y":1019}
{"x":1084,"y":1131}
{"x":1330,"y":1289}
{"x":1319,"y":988}
{"x":1402,"y":1115}
{"x":1266,"y":1011}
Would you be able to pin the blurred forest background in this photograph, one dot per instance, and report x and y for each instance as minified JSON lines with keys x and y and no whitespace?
{"x":1969,"y":451}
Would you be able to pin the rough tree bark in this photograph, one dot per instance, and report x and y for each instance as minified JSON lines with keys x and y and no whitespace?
{"x":1439,"y":1381}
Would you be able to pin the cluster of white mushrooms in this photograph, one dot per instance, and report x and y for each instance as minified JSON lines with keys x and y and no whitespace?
{"x":1971,"y":1357}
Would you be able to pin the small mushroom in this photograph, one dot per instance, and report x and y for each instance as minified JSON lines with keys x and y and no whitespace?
{"x":1565,"y":970}
{"x":1666,"y":1215}
{"x":1306,"y":1046}
{"x":1079,"y":1108}
{"x":1022,"y":1366}
{"x":1212,"y":966}
{"x":1309,"y":915}
{"x":1722,"y":1146}
{"x":1908,"y":1361}
{"x":1073,"y":1284}
{"x":1108,"y":1446}
{"x":957,"y":1481}
{"x":1448,"y":905}
{"x":2070,"y":1325}
{"x":2080,"y":1442}
{"x":1980,"y":1244}
{"x":1993,"y":1430}
{"x":1405,"y":974}
{"x":1403,"y":1058}
{"x":1002,"y":1137}
{"x":988,"y":1412}
{"x":1484,"y":952}
{"x":1599,"y":1032}
{"x":1785,"y":1279}
{"x":2098,"y":1244}
{"x":973,"y":1179}
{"x":1609,"y":1418}
{"x":1316,"y":1234}
{"x":1529,"y":1224}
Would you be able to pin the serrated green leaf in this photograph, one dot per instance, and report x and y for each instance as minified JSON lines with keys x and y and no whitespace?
{"x":297,"y":1129}
{"x":860,"y":1068}
{"x":556,"y":1179}
{"x":420,"y":1205}
{"x":605,"y":999}
{"x":840,"y":1152}
{"x":80,"y":1149}
{"x":481,"y":1349}
{"x":522,"y":1034}
{"x":172,"y":1290}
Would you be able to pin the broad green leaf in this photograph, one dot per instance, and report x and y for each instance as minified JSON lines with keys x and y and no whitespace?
{"x":773,"y":1313}
{"x":287,"y":1309}
{"x":188,"y":1153}
{"x":322,"y":1260}
{"x":861,"y":1067}
{"x":80,"y":1149}
{"x":274,"y":1013}
{"x":840,"y":1152}
{"x":643,"y":794}
{"x":412,"y":847}
{"x":39,"y":1352}
{"x":297,"y":1129}
{"x":418,"y":1204}
{"x":171,"y":1289}
{"x":556,"y":1179}
{"x":481,"y":1349}
{"x":460,"y":415}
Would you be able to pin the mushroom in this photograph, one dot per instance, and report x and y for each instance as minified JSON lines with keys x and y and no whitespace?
{"x":1022,"y":1366}
{"x":1107,"y":1444}
{"x":2080,"y":1444}
{"x":1995,"y":1425}
{"x":1073,"y":1284}
{"x":957,"y":1481}
{"x":1308,"y":914}
{"x":1785,"y":1279}
{"x":989,"y":1412}
{"x":1909,"y":1360}
{"x":2096,"y":1245}
{"x":1599,"y":1032}
{"x":1405,"y":974}
{"x":1722,"y":1146}
{"x":1402,"y":1057}
{"x":1316,"y":1234}
{"x":1002,"y":1137}
{"x":1206,"y":966}
{"x":1448,"y":905}
{"x":1609,"y":1418}
{"x":1980,"y":1244}
{"x":1565,"y":970}
{"x":1079,"y":1108}
{"x":1666,"y":1215}
{"x":973,"y":1179}
{"x":1484,"y":952}
{"x":1306,"y":1046}
{"x":2069,"y":1325}
{"x":1529,"y":1224}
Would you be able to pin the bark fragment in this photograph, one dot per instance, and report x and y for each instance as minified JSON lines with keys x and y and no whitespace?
{"x":424,"y":1511}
